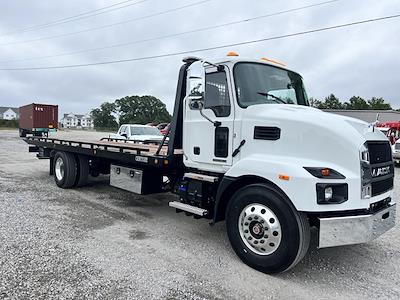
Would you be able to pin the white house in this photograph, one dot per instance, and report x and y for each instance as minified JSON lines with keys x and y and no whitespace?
{"x":77,"y":121}
{"x":9,"y":113}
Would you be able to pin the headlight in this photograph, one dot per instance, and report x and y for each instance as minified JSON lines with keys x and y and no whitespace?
{"x":366,"y":191}
{"x":366,"y":177}
{"x":364,"y":154}
{"x":332,"y":193}
{"x":328,"y":193}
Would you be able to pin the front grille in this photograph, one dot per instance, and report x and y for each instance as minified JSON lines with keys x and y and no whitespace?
{"x":381,"y":166}
{"x":379,"y":152}
{"x":380,"y":187}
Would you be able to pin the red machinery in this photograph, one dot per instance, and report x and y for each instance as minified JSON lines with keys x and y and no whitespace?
{"x":388,"y":128}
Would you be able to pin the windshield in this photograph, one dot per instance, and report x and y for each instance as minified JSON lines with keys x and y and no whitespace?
{"x":144,"y":131}
{"x":258,"y":83}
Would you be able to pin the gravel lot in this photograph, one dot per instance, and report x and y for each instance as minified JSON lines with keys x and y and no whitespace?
{"x":101,"y":242}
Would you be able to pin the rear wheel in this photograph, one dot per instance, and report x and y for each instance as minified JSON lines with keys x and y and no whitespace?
{"x":83,"y":170}
{"x":265,"y":230}
{"x":65,"y":169}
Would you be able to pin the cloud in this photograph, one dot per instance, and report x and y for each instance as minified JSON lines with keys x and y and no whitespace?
{"x":360,"y":60}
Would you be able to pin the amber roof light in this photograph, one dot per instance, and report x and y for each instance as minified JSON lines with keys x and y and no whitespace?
{"x":273,"y":61}
{"x":232,"y":53}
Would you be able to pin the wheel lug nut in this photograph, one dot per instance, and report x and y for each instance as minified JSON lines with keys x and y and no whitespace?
{"x":262,"y":241}
{"x":255,"y":218}
{"x":246,"y":231}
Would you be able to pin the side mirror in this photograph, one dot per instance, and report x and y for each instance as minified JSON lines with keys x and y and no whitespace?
{"x":195,"y":86}
{"x":124,"y":135}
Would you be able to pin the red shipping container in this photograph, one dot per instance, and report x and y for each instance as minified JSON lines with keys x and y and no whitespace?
{"x":38,"y":118}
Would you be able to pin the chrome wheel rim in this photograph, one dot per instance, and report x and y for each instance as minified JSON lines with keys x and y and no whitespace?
{"x":260,"y":229}
{"x":59,"y":168}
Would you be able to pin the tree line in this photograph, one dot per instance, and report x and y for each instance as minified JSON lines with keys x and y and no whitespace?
{"x":354,"y":103}
{"x":147,"y":109}
{"x":130,"y":110}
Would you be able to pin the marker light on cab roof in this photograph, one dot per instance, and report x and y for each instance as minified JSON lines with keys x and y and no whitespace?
{"x":273,"y":61}
{"x":232,"y":53}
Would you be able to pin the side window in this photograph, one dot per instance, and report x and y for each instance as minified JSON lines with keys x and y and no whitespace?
{"x":217,"y":94}
{"x":122,"y":130}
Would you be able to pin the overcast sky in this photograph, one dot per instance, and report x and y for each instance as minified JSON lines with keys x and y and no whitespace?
{"x":361,"y":60}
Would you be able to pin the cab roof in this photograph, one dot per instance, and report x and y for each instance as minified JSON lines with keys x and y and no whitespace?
{"x":231,"y":60}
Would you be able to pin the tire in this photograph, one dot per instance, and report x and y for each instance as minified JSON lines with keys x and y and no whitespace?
{"x":65,"y":169}
{"x":83,"y":171}
{"x":281,"y":232}
{"x":22,"y":133}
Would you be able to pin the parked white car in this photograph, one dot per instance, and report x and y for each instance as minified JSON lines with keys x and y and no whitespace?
{"x":396,"y":152}
{"x":138,"y":133}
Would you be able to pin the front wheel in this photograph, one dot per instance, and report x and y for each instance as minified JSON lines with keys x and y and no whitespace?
{"x":265,"y":230}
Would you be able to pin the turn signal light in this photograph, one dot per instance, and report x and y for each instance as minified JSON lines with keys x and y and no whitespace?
{"x":232,"y":53}
{"x":325,"y":172}
{"x":283,"y":177}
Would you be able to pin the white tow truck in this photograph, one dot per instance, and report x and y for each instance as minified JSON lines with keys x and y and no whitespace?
{"x":245,"y":147}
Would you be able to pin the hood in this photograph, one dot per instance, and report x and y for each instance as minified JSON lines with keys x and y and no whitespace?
{"x":310,"y":133}
{"x":356,"y":130}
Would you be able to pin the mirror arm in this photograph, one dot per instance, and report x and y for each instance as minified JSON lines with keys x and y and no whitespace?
{"x":220,"y":68}
{"x":216,"y":123}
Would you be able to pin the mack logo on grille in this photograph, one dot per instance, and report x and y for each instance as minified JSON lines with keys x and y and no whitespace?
{"x":376,"y":172}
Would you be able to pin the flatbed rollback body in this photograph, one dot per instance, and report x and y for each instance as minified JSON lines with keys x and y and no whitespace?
{"x":244,"y":147}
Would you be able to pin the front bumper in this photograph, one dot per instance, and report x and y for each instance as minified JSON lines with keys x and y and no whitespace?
{"x":338,"y":231}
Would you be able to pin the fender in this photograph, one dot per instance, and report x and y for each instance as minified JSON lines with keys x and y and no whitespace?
{"x":297,"y":183}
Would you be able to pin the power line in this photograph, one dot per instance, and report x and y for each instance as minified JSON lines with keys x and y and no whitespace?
{"x":108,"y":25}
{"x":204,"y":49}
{"x":176,"y":34}
{"x":87,"y":14}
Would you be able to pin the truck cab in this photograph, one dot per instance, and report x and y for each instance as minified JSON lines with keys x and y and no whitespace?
{"x":248,"y":123}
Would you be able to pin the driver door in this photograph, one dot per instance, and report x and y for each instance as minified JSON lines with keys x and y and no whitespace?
{"x":206,"y":145}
